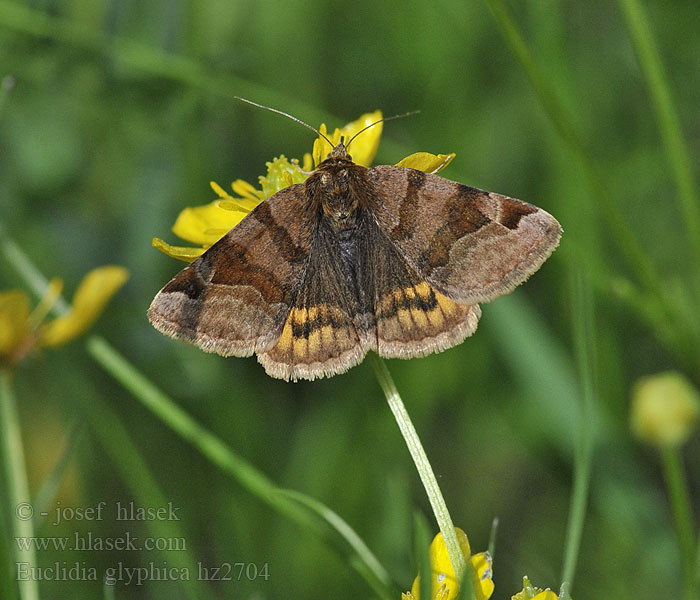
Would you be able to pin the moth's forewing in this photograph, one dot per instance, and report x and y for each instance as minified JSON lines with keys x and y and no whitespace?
{"x":234,"y":299}
{"x":471,"y":245}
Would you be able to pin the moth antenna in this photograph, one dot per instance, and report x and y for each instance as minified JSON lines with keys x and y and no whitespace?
{"x":408,"y":114}
{"x":284,"y":114}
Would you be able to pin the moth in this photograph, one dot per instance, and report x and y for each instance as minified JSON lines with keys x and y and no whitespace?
{"x":387,"y":259}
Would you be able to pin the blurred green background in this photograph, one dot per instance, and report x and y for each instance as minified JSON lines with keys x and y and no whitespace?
{"x":120,"y":113}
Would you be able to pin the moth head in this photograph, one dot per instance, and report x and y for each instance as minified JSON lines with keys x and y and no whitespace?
{"x":339,"y":154}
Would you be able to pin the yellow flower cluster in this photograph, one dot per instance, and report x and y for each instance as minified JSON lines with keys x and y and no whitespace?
{"x":23,"y":330}
{"x":444,"y":582}
{"x":529,"y":592}
{"x":205,"y":225}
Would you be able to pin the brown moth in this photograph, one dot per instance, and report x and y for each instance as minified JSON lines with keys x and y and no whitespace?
{"x":354,"y":259}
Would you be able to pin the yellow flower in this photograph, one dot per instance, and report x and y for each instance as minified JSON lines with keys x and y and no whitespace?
{"x":444,"y":582}
{"x":21,"y":331}
{"x":532,"y":593}
{"x":665,"y":409}
{"x":205,"y":225}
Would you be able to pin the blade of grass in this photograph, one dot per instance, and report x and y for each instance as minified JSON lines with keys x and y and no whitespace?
{"x":184,"y":425}
{"x":679,"y":500}
{"x":671,"y":311}
{"x":21,"y":509}
{"x":108,"y":591}
{"x":154,"y":61}
{"x":7,"y":557}
{"x":212,"y":447}
{"x":49,"y":488}
{"x":541,"y":365}
{"x":178,"y":68}
{"x":622,"y":235}
{"x":584,"y":340}
{"x":377,"y":573}
{"x":668,"y":122}
{"x":491,"y":548}
{"x":215,"y":450}
{"x":34,"y":279}
{"x":681,"y":340}
{"x":136,"y":474}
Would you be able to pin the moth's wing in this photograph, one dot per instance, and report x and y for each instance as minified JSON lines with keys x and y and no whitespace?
{"x":410,"y":317}
{"x":234,"y":299}
{"x":319,"y":337}
{"x":469,"y":244}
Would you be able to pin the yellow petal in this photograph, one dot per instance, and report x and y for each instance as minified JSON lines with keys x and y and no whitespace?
{"x":321,"y":146}
{"x":249,"y":196}
{"x":444,"y":582}
{"x":483,"y":571}
{"x":217,"y":233}
{"x":228,"y":204}
{"x":185,"y":253}
{"x":14,"y":316}
{"x":219,"y":191}
{"x":440,"y":559}
{"x":307,"y":162}
{"x":246,"y":203}
{"x":195,"y":223}
{"x":93,"y":293}
{"x":426,"y":162}
{"x":546,"y":595}
{"x":364,"y":147}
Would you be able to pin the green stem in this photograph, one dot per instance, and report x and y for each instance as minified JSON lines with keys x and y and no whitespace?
{"x":28,"y":271}
{"x":616,"y":222}
{"x":622,"y":235}
{"x":679,"y":501}
{"x":17,"y":485}
{"x":583,"y":329}
{"x":305,"y":511}
{"x":51,"y":484}
{"x":667,"y":120}
{"x":186,"y":427}
{"x":420,"y":459}
{"x":136,"y":473}
{"x":147,"y":59}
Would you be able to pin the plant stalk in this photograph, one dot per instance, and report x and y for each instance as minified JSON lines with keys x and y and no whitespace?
{"x":17,"y":486}
{"x":425,"y":470}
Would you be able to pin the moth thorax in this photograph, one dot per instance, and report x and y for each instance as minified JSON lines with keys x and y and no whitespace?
{"x":339,"y":198}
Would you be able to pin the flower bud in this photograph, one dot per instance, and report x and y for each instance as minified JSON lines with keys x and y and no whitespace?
{"x":665,"y":409}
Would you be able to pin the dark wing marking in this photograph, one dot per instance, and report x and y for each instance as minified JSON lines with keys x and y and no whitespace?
{"x":319,"y":337}
{"x":410,"y":317}
{"x":234,"y":299}
{"x":469,"y":244}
